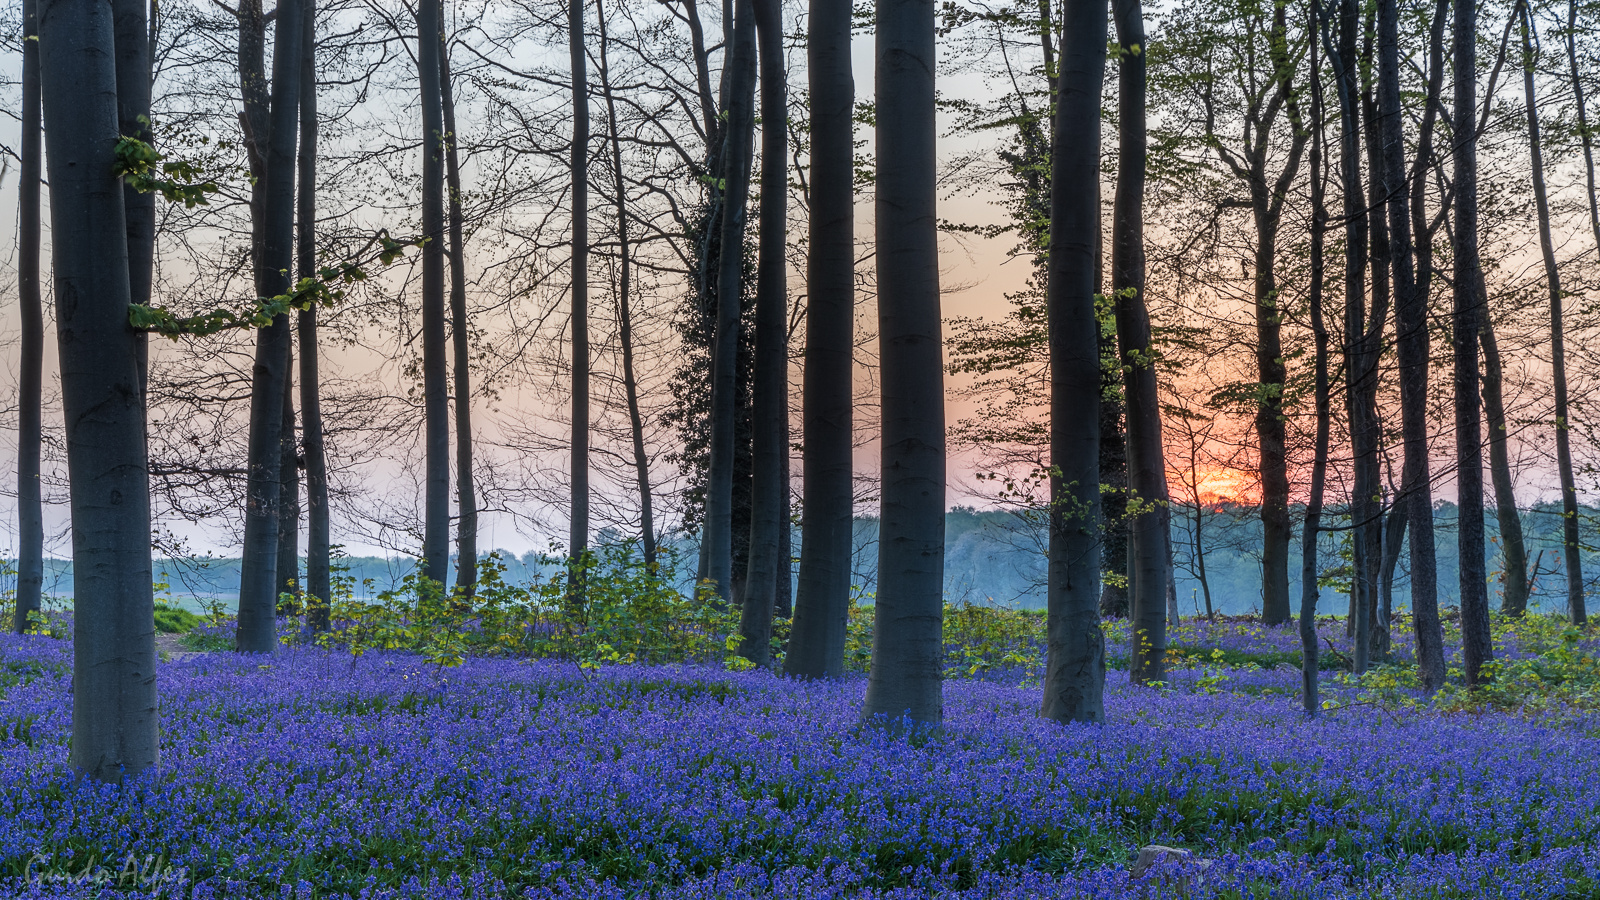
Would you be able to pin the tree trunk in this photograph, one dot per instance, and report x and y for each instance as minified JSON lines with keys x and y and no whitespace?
{"x":736,"y":158}
{"x":770,"y":399}
{"x":1379,"y":258}
{"x":1584,"y":135}
{"x":630,"y":381}
{"x":435,"y":382}
{"x":258,"y":585}
{"x":1150,"y":544}
{"x":1200,"y":560}
{"x":132,"y":26}
{"x":1310,"y":571}
{"x":907,"y":643}
{"x":30,"y":375}
{"x":288,"y":566}
{"x":114,"y":708}
{"x":1570,"y":548}
{"x":1512,"y":547}
{"x":1271,"y":432}
{"x":822,"y":598}
{"x":461,"y":343}
{"x":1468,"y":296}
{"x":578,"y":525}
{"x":1394,"y":537}
{"x":1075,"y":668}
{"x":1412,"y":346}
{"x":318,"y":580}
{"x":1360,"y":364}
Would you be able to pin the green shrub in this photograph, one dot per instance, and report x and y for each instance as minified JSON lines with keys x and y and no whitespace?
{"x":172,"y":620}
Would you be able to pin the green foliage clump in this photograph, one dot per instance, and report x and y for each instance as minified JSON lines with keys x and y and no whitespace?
{"x":609,"y":608}
{"x":1542,"y":664}
{"x":173,"y":620}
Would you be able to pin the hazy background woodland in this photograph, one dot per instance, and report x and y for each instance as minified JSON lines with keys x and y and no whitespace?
{"x":510,"y":79}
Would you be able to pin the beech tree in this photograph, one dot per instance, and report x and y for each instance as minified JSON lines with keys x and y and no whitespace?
{"x":1467,"y":310}
{"x":739,"y":77}
{"x":318,"y":571}
{"x":258,"y":584}
{"x":460,"y":335}
{"x":435,"y":384}
{"x":907,"y":642}
{"x":578,"y":525}
{"x":1150,"y":547}
{"x":114,"y":707}
{"x":30,"y":376}
{"x":1074,"y":684}
{"x":1570,"y":546}
{"x":770,"y":402}
{"x":822,"y":599}
{"x":1310,"y":571}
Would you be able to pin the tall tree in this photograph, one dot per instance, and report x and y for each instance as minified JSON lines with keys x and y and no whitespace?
{"x":625,"y":250}
{"x":1360,"y":336}
{"x":822,"y":601}
{"x":1512,"y":548}
{"x":1411,"y":318}
{"x":578,"y":525}
{"x":1269,"y":104}
{"x":1150,"y":547}
{"x":1310,"y":571}
{"x":318,"y":569}
{"x":770,"y":400}
{"x":739,"y":76}
{"x":435,"y":384}
{"x":114,"y":712}
{"x":1571,"y":549}
{"x":288,"y":566}
{"x":1585,"y":136}
{"x":1075,"y":669}
{"x":258,"y":583}
{"x":132,"y":26}
{"x":460,"y":336}
{"x":907,"y":640}
{"x":30,"y":377}
{"x":1467,"y":310}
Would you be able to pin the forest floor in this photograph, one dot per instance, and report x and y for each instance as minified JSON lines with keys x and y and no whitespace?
{"x":314,"y":773}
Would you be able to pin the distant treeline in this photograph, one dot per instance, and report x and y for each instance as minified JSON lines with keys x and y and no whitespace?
{"x":996,"y":557}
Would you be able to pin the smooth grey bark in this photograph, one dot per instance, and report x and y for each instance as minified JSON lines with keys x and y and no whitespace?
{"x":1407,"y":217}
{"x":739,"y":78}
{"x":132,"y":26}
{"x":1075,"y":666}
{"x":1150,"y":532}
{"x":907,"y":642}
{"x":288,"y":566}
{"x":461,"y":343}
{"x":1394,"y":538}
{"x":630,"y":380}
{"x":1413,"y":348}
{"x":1467,"y":311}
{"x":435,"y":379}
{"x":578,"y":524}
{"x":1310,"y":571}
{"x":1360,"y":361}
{"x":1512,"y":547}
{"x":1380,"y":287}
{"x":769,"y":392}
{"x":1570,"y":548}
{"x":114,"y":700}
{"x":258,"y":584}
{"x":318,"y":570}
{"x":30,"y":357}
{"x":822,"y":597}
